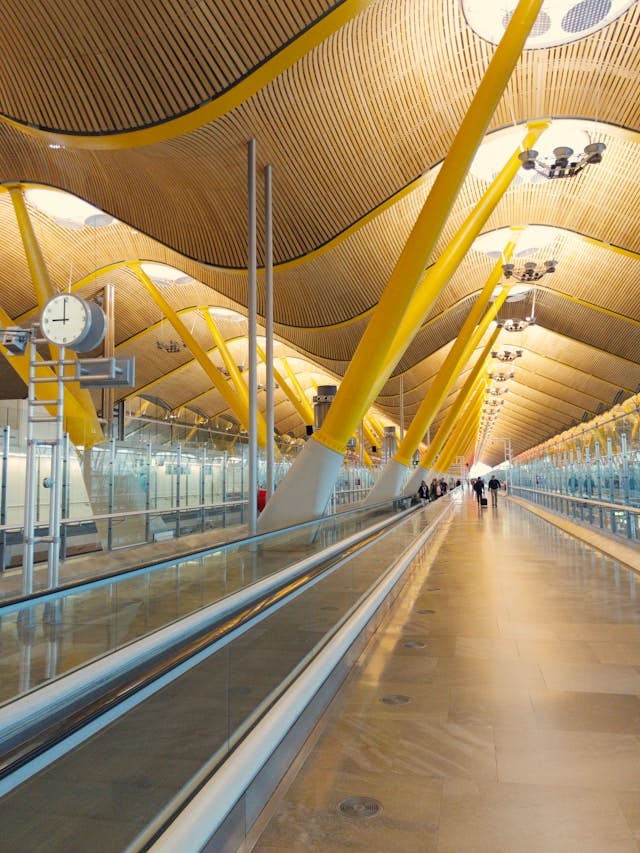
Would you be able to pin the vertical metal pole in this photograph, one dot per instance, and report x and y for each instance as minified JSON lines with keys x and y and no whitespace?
{"x":30,"y":477}
{"x":253,"y":354}
{"x":223,"y":486}
{"x":109,"y":351}
{"x":401,"y":408}
{"x":55,"y":496}
{"x":203,"y":462}
{"x":268,"y":284}
{"x":6,"y":443}
{"x":178,"y":485}
{"x":66,"y":494}
{"x":112,"y":491}
{"x":147,"y":496}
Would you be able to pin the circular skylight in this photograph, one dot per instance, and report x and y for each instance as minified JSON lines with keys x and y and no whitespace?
{"x":558,"y":22}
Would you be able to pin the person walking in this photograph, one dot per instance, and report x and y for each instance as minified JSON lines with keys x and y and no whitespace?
{"x":478,"y":488}
{"x":494,"y":485}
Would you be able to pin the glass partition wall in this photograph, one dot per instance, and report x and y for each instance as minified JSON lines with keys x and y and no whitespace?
{"x":593,"y":467}
{"x":162,"y":481}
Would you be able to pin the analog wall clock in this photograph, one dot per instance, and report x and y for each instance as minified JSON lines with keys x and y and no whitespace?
{"x":67,"y":320}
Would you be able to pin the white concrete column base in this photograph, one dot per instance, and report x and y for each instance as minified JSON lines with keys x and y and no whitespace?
{"x":305,"y":490}
{"x":413,"y":483}
{"x":389,"y":484}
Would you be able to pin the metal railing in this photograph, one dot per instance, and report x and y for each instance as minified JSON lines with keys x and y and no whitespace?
{"x":615,"y":518}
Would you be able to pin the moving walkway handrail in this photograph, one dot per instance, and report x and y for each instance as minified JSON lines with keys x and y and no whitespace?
{"x":51,"y":712}
{"x":51,"y":595}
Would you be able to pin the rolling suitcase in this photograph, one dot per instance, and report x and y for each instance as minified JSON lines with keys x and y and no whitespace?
{"x":483,"y":501}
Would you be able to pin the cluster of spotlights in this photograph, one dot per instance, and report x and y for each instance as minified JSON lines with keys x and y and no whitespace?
{"x":507,"y":355}
{"x":501,"y":377}
{"x":516,"y":324}
{"x":565,"y":163}
{"x":530,"y":272}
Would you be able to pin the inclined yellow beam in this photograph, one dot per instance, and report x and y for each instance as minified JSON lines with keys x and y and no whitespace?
{"x":460,"y":436}
{"x":456,"y":358}
{"x":44,"y":290}
{"x":233,"y":400}
{"x":474,"y":381}
{"x":302,"y":406}
{"x":370,"y":435}
{"x":438,"y":275}
{"x":229,"y":362}
{"x":365,"y":371}
{"x":428,"y":408}
{"x":295,"y":382}
{"x":83,"y":431}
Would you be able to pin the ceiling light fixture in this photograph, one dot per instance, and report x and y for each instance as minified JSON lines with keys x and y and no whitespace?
{"x":530,"y":272}
{"x":170,"y":346}
{"x":516,"y":324}
{"x":506,"y":354}
{"x":501,"y":377}
{"x":564,"y":163}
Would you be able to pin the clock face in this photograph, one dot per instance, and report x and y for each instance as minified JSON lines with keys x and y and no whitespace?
{"x":65,"y":319}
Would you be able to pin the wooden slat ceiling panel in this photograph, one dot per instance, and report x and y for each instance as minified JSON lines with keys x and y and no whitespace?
{"x":540,"y":380}
{"x":141,"y":63}
{"x":319,"y":193}
{"x":351,"y":126}
{"x":577,"y":368}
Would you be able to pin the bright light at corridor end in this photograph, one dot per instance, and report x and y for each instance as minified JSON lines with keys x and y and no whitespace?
{"x":559,"y":21}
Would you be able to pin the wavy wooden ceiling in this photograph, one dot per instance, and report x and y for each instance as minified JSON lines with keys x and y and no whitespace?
{"x":354,"y":128}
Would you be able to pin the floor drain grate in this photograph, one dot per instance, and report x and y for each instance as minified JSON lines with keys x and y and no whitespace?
{"x":413,"y":644}
{"x":425,"y":611}
{"x":395,"y":699}
{"x":361,"y":807}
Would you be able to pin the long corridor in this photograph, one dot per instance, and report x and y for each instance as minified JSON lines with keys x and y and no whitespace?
{"x":498,"y":709}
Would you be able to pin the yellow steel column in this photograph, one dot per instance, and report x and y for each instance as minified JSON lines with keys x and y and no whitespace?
{"x":44,"y":290}
{"x":389,"y":484}
{"x":295,"y":382}
{"x":474,"y":381}
{"x":461,"y":435}
{"x":354,"y":395}
{"x":305,"y":490}
{"x":229,"y":362}
{"x":437,"y":277}
{"x":233,"y":400}
{"x":454,"y":362}
{"x":302,"y":406}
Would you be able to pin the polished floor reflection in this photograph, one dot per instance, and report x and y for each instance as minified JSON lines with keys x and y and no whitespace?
{"x":518,"y":650}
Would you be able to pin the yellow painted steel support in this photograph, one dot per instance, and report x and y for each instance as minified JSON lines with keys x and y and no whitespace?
{"x":229,"y":362}
{"x":438,"y":276}
{"x":83,"y":431}
{"x":233,"y":400}
{"x":474,"y":381}
{"x":468,"y":421}
{"x":462,"y":434}
{"x":430,"y":405}
{"x":364,"y":374}
{"x":298,"y":389}
{"x":302,"y":406}
{"x":456,"y":358}
{"x":370,"y":435}
{"x":44,"y":290}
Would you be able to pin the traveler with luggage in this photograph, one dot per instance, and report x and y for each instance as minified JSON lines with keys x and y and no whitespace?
{"x":478,"y":488}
